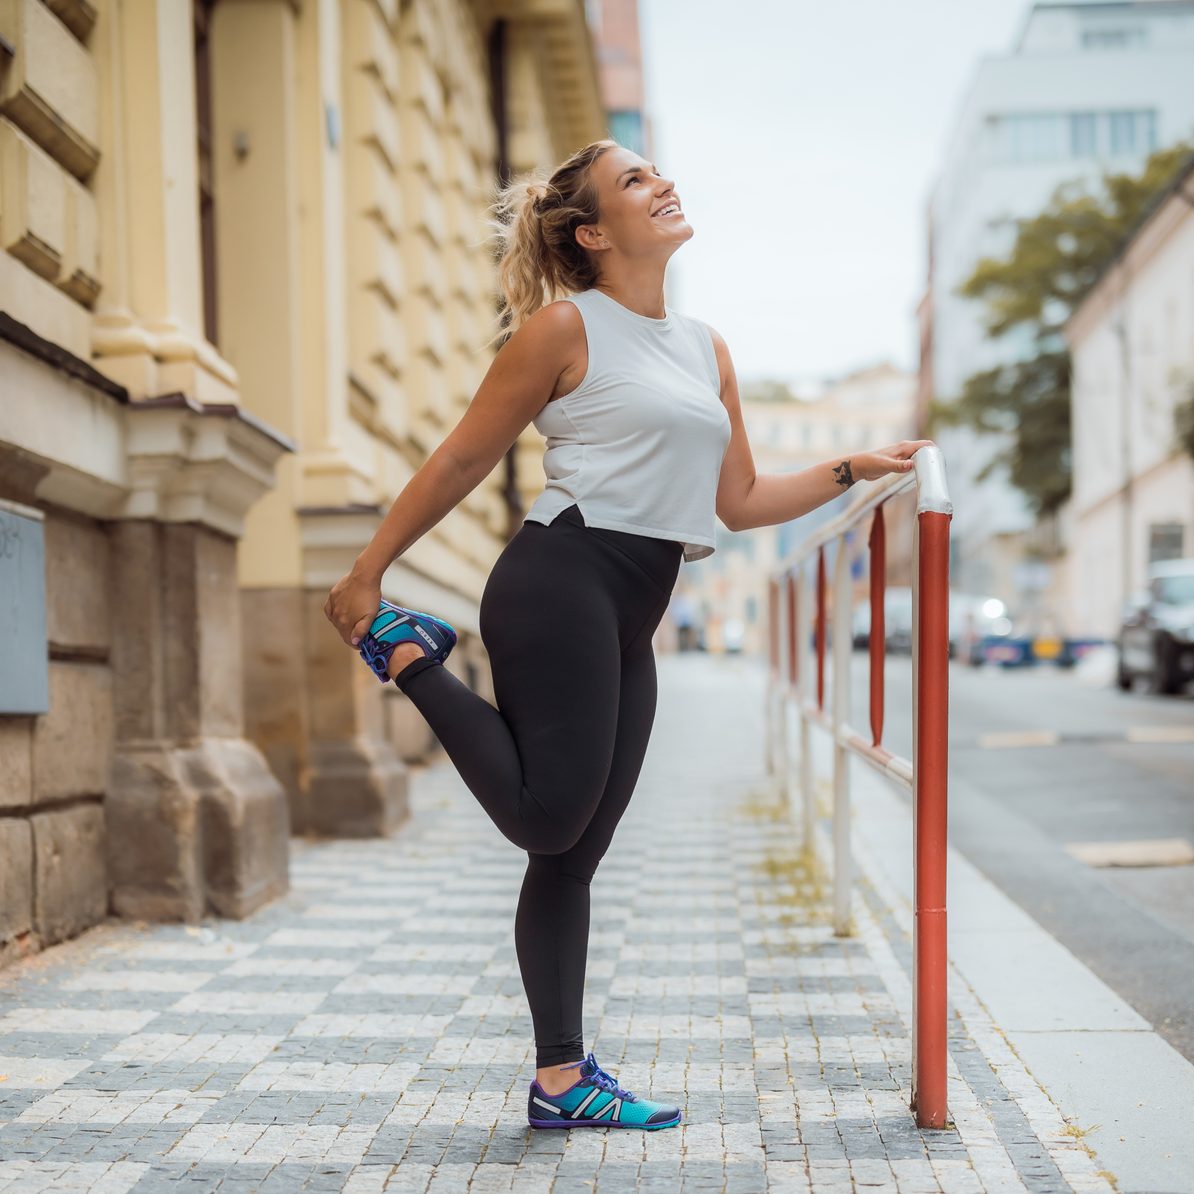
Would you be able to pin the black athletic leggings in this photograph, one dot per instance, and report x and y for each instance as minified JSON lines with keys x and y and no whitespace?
{"x":566,"y":617}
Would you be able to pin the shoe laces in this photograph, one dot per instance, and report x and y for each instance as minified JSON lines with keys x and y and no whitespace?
{"x":603,"y":1080}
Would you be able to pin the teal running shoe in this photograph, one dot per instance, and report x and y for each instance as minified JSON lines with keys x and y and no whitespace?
{"x":596,"y":1101}
{"x":393,"y":625}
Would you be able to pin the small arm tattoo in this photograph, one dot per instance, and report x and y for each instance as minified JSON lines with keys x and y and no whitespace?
{"x":842,"y":475}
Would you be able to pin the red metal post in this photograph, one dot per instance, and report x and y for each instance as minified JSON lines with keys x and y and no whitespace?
{"x":878,"y":633}
{"x":821,"y":627}
{"x":929,"y":796}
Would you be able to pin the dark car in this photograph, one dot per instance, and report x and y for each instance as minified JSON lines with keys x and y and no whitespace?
{"x":897,"y":620}
{"x":1156,"y":638}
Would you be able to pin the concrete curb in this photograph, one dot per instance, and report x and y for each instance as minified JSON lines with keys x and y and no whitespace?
{"x":1033,"y":1006}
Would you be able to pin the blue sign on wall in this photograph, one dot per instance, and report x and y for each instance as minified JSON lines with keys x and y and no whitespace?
{"x":24,"y":658}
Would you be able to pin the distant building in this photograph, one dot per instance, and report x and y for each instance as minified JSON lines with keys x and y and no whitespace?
{"x":867,"y":409}
{"x":1133,"y":361}
{"x":1087,"y":87}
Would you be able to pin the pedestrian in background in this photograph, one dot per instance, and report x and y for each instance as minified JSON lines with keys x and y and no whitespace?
{"x":645,"y":445}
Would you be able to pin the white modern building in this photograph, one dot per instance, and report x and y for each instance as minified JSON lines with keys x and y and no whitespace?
{"x":1087,"y":88}
{"x":1133,"y":362}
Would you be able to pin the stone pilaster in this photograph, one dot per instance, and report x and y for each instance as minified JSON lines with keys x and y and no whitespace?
{"x":196,"y":822}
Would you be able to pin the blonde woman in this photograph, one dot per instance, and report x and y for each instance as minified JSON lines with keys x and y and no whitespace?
{"x":645,"y":443}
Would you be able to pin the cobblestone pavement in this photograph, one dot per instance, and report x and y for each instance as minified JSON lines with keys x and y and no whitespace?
{"x":369,"y":1032}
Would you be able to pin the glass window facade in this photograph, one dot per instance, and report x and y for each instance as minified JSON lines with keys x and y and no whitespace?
{"x":1027,"y":137}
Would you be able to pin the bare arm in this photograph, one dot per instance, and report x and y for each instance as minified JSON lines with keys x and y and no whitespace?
{"x":519,"y":382}
{"x":746,"y":499}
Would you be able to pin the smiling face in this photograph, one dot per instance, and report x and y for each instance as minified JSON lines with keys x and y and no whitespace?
{"x":632,"y":198}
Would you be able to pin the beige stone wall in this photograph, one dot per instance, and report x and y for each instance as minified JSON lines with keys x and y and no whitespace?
{"x":200,"y":498}
{"x":53,"y":768}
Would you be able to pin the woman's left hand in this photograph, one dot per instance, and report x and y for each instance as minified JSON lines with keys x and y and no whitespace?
{"x":870,"y":466}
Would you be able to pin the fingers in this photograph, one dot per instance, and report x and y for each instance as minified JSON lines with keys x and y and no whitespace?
{"x":358,"y":631}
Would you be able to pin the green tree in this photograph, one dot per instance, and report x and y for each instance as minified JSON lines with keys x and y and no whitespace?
{"x":1055,"y":258}
{"x":1183,"y":421}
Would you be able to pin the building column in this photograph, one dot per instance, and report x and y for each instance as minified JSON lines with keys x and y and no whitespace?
{"x":196,"y":821}
{"x":148,"y":332}
{"x":311,"y":706}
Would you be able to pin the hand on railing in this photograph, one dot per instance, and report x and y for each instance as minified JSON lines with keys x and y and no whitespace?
{"x":870,"y":466}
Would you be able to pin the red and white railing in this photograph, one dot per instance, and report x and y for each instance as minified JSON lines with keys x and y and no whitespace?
{"x":796,"y":680}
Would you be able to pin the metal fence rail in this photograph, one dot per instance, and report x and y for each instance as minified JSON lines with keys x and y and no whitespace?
{"x":796,"y":653}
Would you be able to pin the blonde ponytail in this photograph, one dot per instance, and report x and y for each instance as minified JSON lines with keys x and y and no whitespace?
{"x":538,"y":259}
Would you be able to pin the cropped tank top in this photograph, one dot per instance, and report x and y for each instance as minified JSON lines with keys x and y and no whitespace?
{"x":638,"y":445}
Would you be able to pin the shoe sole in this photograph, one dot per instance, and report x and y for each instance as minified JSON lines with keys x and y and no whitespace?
{"x":600,"y":1123}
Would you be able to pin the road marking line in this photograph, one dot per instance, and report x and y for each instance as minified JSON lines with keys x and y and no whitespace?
{"x":1166,"y":851}
{"x":1014,"y":738}
{"x":1160,"y":734}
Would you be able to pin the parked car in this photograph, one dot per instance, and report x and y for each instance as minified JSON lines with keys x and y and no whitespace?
{"x":1035,"y":637}
{"x":897,"y":620}
{"x":975,"y":623}
{"x":1156,"y":636}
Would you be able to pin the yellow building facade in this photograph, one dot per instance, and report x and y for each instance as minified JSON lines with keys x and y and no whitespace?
{"x":246,"y":285}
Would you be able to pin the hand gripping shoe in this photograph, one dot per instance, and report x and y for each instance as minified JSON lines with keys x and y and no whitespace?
{"x":595,"y":1100}
{"x":394,"y":625}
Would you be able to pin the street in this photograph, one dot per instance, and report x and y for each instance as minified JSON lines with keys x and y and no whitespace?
{"x":1014,"y":806}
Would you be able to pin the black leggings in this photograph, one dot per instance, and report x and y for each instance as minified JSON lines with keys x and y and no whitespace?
{"x":566,"y":617}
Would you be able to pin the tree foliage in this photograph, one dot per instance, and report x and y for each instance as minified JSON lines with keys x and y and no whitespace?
{"x":1056,"y":256}
{"x":1183,"y":422}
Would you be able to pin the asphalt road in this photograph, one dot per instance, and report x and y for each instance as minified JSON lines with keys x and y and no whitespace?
{"x":1014,"y":807}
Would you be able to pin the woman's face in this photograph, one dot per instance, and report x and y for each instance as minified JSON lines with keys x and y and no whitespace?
{"x":631,"y":197}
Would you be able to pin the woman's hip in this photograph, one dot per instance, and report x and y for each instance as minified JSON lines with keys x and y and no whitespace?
{"x":590,"y":571}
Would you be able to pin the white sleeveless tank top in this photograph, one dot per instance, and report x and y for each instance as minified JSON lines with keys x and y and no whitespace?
{"x":638,"y":445}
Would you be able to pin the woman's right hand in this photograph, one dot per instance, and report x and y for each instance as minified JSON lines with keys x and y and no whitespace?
{"x":352,"y":605}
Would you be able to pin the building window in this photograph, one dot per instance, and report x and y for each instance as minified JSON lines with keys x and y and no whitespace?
{"x":1044,"y":137}
{"x":1132,"y":132}
{"x":1113,"y":39}
{"x":1084,"y":135}
{"x":1027,"y":137}
{"x":207,"y":207}
{"x":1166,"y":541}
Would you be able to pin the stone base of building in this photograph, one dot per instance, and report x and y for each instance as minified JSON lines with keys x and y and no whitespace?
{"x":195,"y":830}
{"x":319,"y":716}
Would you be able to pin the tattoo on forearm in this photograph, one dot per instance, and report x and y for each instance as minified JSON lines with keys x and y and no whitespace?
{"x":843,"y":476}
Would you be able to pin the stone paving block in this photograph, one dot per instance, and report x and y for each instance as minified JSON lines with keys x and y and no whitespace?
{"x":369,"y":1033}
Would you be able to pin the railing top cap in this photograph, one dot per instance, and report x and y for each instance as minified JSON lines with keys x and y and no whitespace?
{"x":932,"y":497}
{"x":932,"y":493}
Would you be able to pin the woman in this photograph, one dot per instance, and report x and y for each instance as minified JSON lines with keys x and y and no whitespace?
{"x":645,"y":442}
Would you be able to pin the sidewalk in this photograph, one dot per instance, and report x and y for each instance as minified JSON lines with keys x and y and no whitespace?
{"x":369,"y":1032}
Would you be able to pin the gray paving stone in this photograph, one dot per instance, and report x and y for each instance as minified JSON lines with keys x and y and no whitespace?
{"x":368,"y":1032}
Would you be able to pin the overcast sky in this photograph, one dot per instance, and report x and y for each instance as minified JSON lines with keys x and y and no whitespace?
{"x":804,"y":139}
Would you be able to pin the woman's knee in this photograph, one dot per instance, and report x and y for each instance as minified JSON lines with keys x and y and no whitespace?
{"x":551,"y":837}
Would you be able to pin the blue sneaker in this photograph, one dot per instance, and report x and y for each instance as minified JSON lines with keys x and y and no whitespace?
{"x":596,"y":1101}
{"x":394,"y":625}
